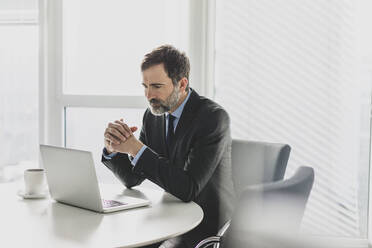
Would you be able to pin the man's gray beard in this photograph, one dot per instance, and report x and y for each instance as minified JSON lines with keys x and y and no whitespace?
{"x":168,"y":104}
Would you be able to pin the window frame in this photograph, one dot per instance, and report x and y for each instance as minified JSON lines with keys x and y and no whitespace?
{"x":18,"y":17}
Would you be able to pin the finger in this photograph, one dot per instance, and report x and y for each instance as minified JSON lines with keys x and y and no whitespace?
{"x":113,"y":138}
{"x":109,"y":125}
{"x":120,"y":123}
{"x":111,"y":141}
{"x":127,"y":129}
{"x":133,"y":129}
{"x":127,"y":132}
{"x":117,"y":125}
{"x":109,"y":145}
{"x":117,"y":134}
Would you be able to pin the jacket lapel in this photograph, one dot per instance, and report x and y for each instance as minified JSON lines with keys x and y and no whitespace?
{"x":188,"y":114}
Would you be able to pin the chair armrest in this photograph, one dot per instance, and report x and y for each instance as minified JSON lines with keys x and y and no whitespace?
{"x":208,"y":242}
{"x":223,"y":229}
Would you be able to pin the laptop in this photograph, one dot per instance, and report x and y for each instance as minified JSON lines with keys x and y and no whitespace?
{"x":72,"y":180}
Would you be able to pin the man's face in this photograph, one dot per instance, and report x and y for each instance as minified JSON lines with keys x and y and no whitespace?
{"x":162,"y":95}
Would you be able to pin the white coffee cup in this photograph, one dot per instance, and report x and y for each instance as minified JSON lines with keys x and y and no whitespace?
{"x":34,"y":181}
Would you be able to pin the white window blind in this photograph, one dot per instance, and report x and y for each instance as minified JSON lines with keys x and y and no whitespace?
{"x":294,"y":72}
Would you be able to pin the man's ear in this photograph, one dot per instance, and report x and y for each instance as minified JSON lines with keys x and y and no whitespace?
{"x":183,"y":83}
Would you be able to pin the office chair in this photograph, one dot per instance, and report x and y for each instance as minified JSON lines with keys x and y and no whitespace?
{"x":266,"y":209}
{"x":256,"y":162}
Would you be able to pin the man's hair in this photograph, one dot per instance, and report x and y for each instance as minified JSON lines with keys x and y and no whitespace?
{"x":176,"y":63}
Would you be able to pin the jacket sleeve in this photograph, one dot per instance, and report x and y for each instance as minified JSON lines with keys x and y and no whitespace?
{"x":122,"y":167}
{"x":200,"y":163}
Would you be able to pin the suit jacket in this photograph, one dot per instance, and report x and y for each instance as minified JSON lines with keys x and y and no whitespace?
{"x":197,"y":168}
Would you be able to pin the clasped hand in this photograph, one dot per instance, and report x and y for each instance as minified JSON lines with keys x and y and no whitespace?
{"x":118,"y":137}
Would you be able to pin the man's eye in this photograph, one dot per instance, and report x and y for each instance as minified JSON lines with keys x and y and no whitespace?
{"x":156,"y":86}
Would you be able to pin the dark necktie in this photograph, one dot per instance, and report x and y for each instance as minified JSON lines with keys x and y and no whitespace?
{"x":170,"y":135}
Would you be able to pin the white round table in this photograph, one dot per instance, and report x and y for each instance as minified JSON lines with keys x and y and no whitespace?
{"x":46,"y":223}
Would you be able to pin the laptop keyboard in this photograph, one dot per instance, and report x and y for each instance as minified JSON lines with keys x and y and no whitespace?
{"x":111,"y":203}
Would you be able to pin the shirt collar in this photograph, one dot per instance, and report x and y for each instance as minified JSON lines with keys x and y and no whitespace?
{"x":177,"y":113}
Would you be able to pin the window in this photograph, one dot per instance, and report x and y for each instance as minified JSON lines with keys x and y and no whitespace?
{"x":94,"y":76}
{"x":18,"y":85}
{"x":104,"y":42}
{"x":299,"y":70}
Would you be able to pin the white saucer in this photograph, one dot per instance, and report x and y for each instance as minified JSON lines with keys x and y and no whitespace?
{"x":22,"y":193}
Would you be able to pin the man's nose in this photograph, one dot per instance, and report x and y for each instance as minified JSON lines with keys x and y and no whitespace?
{"x":149,"y":95}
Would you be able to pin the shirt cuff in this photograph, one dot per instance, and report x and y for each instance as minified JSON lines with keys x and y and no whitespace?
{"x":139,"y":153}
{"x":108,"y":156}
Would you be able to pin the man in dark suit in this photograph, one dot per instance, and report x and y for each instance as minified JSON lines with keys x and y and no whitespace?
{"x":184,"y":145}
